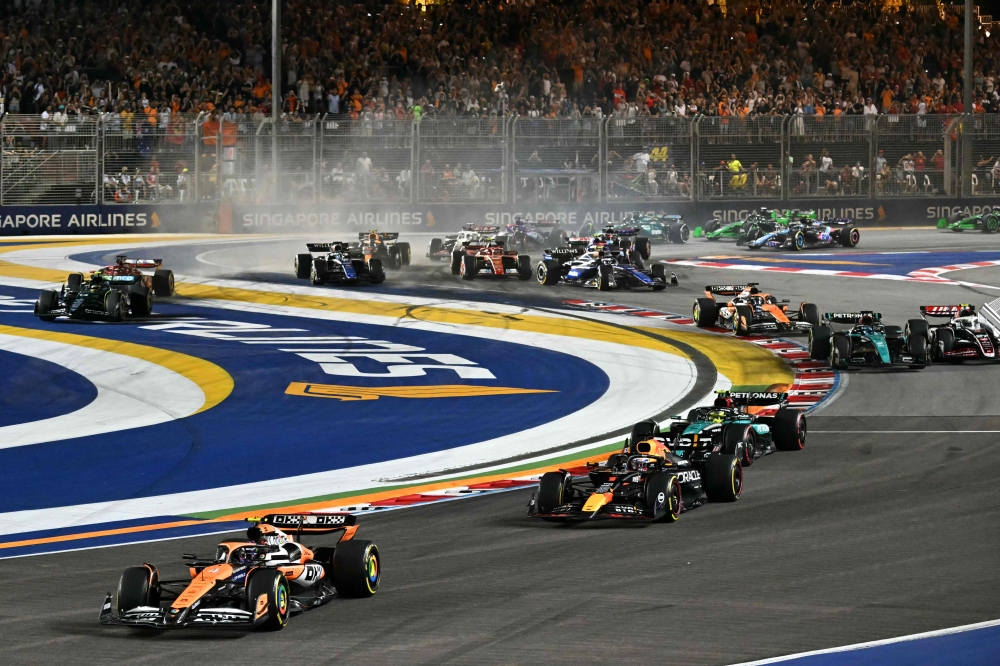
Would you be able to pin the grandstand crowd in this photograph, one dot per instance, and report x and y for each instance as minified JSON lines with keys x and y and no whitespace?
{"x":570,"y":58}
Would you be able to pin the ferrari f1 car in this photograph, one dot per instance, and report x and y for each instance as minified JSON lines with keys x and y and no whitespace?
{"x":800,"y":233}
{"x":965,"y":335}
{"x":489,"y":257}
{"x":110,"y":293}
{"x":385,"y":247}
{"x":440,"y":249}
{"x":751,"y":311}
{"x":867,"y":343}
{"x":986,"y":222}
{"x":603,"y":266}
{"x":522,"y":236}
{"x":253,"y":584}
{"x":339,"y":263}
{"x":646,"y":481}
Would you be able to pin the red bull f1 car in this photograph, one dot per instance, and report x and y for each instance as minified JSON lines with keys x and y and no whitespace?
{"x":109,"y":294}
{"x":752,"y":311}
{"x":257,"y":583}
{"x":647,"y":481}
{"x":384,"y":246}
{"x":964,"y":336}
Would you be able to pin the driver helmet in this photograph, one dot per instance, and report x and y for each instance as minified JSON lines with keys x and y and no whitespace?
{"x":244,"y":555}
{"x":716,"y":416}
{"x":966,"y":310}
{"x":724,"y":402}
{"x":866,"y":320}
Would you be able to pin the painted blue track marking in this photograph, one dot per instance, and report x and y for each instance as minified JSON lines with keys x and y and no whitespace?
{"x":33,"y":389}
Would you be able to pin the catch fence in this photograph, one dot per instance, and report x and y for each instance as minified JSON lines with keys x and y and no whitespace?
{"x":184,"y":158}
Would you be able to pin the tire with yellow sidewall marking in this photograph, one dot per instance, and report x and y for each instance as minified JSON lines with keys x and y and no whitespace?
{"x":268,"y":597}
{"x":357,"y":569}
{"x":723,"y":478}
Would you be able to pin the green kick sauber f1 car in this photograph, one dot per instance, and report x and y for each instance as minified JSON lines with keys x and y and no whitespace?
{"x":986,"y":222}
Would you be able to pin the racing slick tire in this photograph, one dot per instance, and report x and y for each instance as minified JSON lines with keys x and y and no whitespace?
{"x":404,"y":253}
{"x":991,"y":223}
{"x":303,"y":266}
{"x":436,"y":245}
{"x":318,"y":271}
{"x":742,"y":320}
{"x":523,"y":267}
{"x":138,"y":586}
{"x":678,"y":233}
{"x":917,"y":346}
{"x":551,"y":491}
{"x":376,"y":272}
{"x":394,"y":257}
{"x":705,"y":313}
{"x":74,"y":281}
{"x":849,"y":236}
{"x":663,"y":497}
{"x":945,"y":339}
{"x":917,"y":327}
{"x":723,"y":478}
{"x":840,"y":351}
{"x":819,"y":342}
{"x":547,"y":272}
{"x":809,"y":313}
{"x":752,"y":234}
{"x":468,"y":268}
{"x":789,"y":429}
{"x":740,"y":441}
{"x":798,"y":240}
{"x":273,"y":586}
{"x":659,"y":272}
{"x":357,"y":569}
{"x":711,"y":226}
{"x":47,"y":301}
{"x":604,"y":277}
{"x":643,"y":246}
{"x":140,"y":300}
{"x":163,"y":283}
{"x":456,"y":262}
{"x":113,"y":306}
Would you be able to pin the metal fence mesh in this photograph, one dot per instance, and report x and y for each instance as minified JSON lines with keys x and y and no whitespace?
{"x":48,"y":161}
{"x":142,"y":158}
{"x":915,"y":155}
{"x":739,"y":158}
{"x":649,"y":159}
{"x":366,"y":160}
{"x":985,"y":159}
{"x":830,"y":155}
{"x":556,"y":160}
{"x":460,"y":159}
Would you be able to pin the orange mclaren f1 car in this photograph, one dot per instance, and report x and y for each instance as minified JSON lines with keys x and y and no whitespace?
{"x":752,"y":311}
{"x":252,"y":584}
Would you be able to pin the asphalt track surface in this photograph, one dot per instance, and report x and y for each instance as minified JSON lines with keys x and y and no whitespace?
{"x":884,"y":525}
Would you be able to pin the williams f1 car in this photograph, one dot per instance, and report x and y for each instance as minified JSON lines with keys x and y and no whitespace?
{"x":338,"y":263}
{"x":440,"y":249}
{"x":988,"y":222}
{"x":800,"y":233}
{"x":647,"y":481}
{"x":602,"y":266}
{"x":109,"y":294}
{"x":965,"y":335}
{"x":253,"y":584}
{"x":867,"y":343}
{"x":751,"y":311}
{"x":489,"y":257}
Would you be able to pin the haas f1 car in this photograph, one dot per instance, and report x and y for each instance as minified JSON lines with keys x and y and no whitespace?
{"x":339,"y":263}
{"x":751,"y":311}
{"x":965,"y":335}
{"x":646,"y":481}
{"x":440,"y":249}
{"x":867,"y":343}
{"x":110,"y":293}
{"x":489,"y":257}
{"x":253,"y":584}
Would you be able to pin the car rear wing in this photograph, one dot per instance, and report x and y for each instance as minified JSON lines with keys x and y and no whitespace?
{"x":850,"y":317}
{"x":728,"y":289}
{"x":308,"y":523}
{"x":942,"y":310}
{"x":991,"y":313}
{"x":327,"y":247}
{"x":481,"y":229}
{"x":756,"y":398}
{"x":138,"y":263}
{"x":386,"y":236}
{"x":838,"y":221}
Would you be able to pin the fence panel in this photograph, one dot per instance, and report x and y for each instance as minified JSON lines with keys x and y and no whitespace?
{"x":984,"y":130}
{"x":915,"y":155}
{"x":148,"y":159}
{"x":460,"y":159}
{"x":649,"y":159}
{"x":556,"y":160}
{"x":739,"y":158}
{"x":48,"y":161}
{"x":830,"y":155}
{"x":366,"y":160}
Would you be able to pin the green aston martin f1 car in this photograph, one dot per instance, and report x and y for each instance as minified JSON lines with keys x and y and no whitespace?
{"x":986,"y":222}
